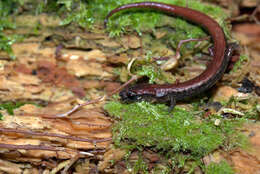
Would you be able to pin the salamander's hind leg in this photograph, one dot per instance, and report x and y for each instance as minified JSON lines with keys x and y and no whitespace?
{"x":234,"y":55}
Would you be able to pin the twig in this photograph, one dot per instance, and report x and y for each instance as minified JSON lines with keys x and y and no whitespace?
{"x":188,"y":40}
{"x":253,"y":16}
{"x":134,"y":77}
{"x":170,"y":63}
{"x":72,"y":161}
{"x":94,"y":101}
{"x":75,"y":108}
{"x":79,"y":106}
{"x":54,"y":135}
{"x":60,"y":166}
{"x":91,"y":124}
{"x":130,"y":65}
{"x":33,"y":147}
{"x":124,"y":85}
{"x":53,"y":116}
{"x":5,"y":58}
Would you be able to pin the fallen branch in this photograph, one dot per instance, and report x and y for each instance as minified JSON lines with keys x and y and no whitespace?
{"x":33,"y":147}
{"x":5,"y":130}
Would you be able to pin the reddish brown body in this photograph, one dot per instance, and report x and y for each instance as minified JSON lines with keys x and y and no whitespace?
{"x":205,"y":80}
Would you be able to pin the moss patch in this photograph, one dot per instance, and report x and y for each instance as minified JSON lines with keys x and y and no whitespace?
{"x":217,"y":168}
{"x":11,"y":106}
{"x":182,"y":137}
{"x":145,"y":124}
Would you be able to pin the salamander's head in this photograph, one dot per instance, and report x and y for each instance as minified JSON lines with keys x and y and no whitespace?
{"x":136,"y":93}
{"x":127,"y":95}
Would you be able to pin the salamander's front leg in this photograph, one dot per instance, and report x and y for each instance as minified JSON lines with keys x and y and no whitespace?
{"x":172,"y":103}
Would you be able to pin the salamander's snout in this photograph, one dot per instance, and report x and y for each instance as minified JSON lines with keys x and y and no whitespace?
{"x":127,"y":95}
{"x":123,"y":95}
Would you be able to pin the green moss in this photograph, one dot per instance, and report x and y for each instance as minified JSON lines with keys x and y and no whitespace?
{"x":139,"y":166}
{"x":180,"y":136}
{"x":219,"y":168}
{"x":143,"y":20}
{"x":148,"y":19}
{"x":89,"y":14}
{"x":238,"y":64}
{"x":153,"y":72}
{"x":144,"y":124}
{"x":11,"y":106}
{"x":144,"y":67}
{"x":233,"y":137}
{"x":7,"y":41}
{"x":86,"y":14}
{"x":82,"y":16}
{"x":98,"y":9}
{"x":7,"y":8}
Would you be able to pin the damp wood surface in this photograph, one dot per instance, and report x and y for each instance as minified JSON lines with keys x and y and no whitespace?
{"x":57,"y":67}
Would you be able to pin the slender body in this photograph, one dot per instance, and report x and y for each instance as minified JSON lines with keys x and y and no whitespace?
{"x":180,"y":91}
